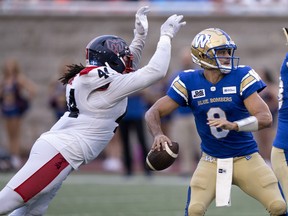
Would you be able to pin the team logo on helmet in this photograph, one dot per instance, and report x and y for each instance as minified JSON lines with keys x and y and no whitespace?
{"x":115,"y":45}
{"x":201,"y":40}
{"x":109,"y":50}
{"x":205,"y":46}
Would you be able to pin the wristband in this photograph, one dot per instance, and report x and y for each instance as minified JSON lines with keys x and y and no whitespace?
{"x":247,"y":124}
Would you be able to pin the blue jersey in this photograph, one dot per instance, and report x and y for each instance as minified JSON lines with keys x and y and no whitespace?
{"x":221,"y":100}
{"x":180,"y":111}
{"x":281,"y":139}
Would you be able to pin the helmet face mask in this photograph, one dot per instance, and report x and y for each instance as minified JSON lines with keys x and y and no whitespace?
{"x":111,"y":51}
{"x":127,"y":59}
{"x":207,"y":45}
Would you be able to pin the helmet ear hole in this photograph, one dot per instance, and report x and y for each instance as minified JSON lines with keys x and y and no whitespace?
{"x":202,"y":55}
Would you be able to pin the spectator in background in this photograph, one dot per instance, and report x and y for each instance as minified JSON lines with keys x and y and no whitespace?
{"x":134,"y":122}
{"x":183,"y":128}
{"x":16,"y":91}
{"x":269,"y":95}
{"x":57,"y":95}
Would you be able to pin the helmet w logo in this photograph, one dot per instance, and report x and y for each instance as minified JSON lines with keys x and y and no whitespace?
{"x":201,"y":40}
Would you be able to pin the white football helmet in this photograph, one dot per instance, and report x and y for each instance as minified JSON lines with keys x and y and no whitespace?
{"x":204,"y":47}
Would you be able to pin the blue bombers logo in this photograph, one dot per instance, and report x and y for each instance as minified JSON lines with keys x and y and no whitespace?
{"x":201,"y":40}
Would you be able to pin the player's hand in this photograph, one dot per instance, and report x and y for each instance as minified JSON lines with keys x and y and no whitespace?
{"x":222,"y":123}
{"x":285,"y":30}
{"x":172,"y":25}
{"x":141,"y":22}
{"x":160,"y":140}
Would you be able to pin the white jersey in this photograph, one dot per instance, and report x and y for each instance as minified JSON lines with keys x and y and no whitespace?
{"x":81,"y":134}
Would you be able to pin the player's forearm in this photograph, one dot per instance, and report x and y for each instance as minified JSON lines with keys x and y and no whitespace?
{"x":153,"y":121}
{"x":159,"y":63}
{"x":136,"y":47}
{"x":151,"y":73}
{"x":265,"y":120}
{"x":254,"y":123}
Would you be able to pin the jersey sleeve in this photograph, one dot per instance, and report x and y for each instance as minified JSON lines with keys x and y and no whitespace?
{"x":251,"y":82}
{"x":96,"y":77}
{"x":283,"y":88}
{"x":136,"y":48}
{"x":127,"y":84}
{"x":178,"y":91}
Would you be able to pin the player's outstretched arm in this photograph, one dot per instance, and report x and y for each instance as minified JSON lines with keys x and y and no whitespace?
{"x":172,"y":25}
{"x":162,"y":107}
{"x":158,"y":65}
{"x":141,"y":21}
{"x":140,"y":33}
{"x":160,"y":61}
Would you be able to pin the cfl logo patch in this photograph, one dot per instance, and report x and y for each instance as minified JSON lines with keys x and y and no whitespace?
{"x":198,"y":93}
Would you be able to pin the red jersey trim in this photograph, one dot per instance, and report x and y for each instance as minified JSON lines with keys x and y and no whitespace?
{"x":42,"y":177}
{"x":87,"y":70}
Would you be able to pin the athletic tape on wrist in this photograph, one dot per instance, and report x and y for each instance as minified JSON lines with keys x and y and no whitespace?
{"x":247,"y":124}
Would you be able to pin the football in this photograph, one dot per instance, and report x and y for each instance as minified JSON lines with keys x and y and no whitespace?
{"x":160,"y":160}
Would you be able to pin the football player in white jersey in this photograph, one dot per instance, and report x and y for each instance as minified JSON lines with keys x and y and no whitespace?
{"x":97,"y":98}
{"x":224,"y":99}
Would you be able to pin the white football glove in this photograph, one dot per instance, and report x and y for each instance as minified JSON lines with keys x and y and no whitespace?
{"x":172,"y":25}
{"x":141,"y":22}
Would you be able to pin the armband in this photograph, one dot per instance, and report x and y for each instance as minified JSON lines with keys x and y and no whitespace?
{"x":247,"y":124}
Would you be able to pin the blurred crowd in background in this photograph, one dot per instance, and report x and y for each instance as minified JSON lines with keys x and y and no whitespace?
{"x":218,"y":1}
{"x":127,"y":151}
{"x":131,"y":143}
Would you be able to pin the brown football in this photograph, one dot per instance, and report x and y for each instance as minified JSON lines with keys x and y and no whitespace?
{"x":160,"y":160}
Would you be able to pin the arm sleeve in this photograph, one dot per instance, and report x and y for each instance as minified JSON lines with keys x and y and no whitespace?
{"x":250,"y":83}
{"x":136,"y":47}
{"x":178,"y":91}
{"x":155,"y":70}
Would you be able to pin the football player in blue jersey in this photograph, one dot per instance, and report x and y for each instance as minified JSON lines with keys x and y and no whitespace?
{"x":223,"y":96}
{"x":279,"y":154}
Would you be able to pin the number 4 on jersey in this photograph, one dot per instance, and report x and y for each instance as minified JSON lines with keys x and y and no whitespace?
{"x":102,"y":73}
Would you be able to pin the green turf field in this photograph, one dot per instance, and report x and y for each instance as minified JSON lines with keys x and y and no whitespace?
{"x":114,"y":195}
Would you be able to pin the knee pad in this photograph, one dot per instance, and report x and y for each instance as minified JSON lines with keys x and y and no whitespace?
{"x":277,"y":208}
{"x":196,"y":209}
